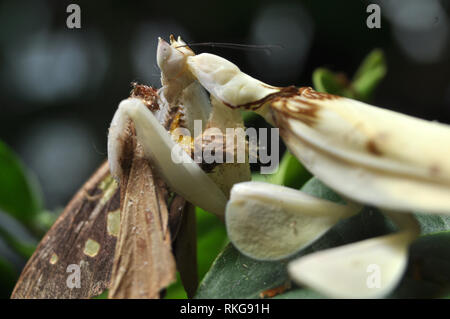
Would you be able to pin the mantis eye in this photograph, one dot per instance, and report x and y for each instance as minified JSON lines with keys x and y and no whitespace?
{"x":170,"y":60}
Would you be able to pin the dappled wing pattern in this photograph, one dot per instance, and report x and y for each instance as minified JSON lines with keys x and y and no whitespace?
{"x":84,"y":235}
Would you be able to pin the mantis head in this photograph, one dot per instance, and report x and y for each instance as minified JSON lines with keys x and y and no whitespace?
{"x":172,"y":61}
{"x":171,"y":58}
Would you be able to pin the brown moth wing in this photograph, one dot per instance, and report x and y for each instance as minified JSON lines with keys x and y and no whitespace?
{"x":144,"y":264}
{"x":84,"y":235}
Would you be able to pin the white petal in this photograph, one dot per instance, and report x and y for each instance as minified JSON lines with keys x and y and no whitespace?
{"x":367,"y":269}
{"x":180,"y":172}
{"x":269,"y":222}
{"x":345,"y":272}
{"x":387,"y":159}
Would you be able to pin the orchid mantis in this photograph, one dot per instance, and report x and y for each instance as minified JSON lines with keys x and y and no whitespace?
{"x":183,"y":94}
{"x":389,"y":160}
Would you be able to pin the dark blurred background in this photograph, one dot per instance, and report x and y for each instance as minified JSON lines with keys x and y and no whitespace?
{"x":60,"y":86}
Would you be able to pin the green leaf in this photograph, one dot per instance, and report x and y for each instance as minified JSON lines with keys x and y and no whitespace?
{"x":257,"y":177}
{"x":290,"y":173}
{"x":103,"y":295}
{"x":176,"y":290}
{"x":428,"y":273}
{"x":326,"y":81}
{"x":369,"y":74}
{"x":234,"y":275}
{"x":18,"y":190}
{"x":367,"y":224}
{"x":316,"y":188}
{"x":211,"y":239}
{"x":249,"y":116}
{"x":299,"y":294}
{"x":432,"y":223}
{"x":371,"y":71}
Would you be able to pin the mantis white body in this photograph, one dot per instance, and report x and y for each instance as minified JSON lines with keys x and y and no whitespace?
{"x":367,"y":154}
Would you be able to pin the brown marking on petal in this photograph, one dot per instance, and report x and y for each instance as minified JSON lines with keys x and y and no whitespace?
{"x":271,"y":87}
{"x":310,"y":93}
{"x":148,"y":95}
{"x":284,"y":92}
{"x":298,"y":108}
{"x":307,"y":93}
{"x":269,"y":293}
{"x":435,"y":169}
{"x":373,"y":148}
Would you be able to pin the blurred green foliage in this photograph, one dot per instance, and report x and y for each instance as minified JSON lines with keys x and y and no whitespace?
{"x":20,"y":198}
{"x":8,"y":277}
{"x":369,"y":74}
{"x":18,"y":189}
